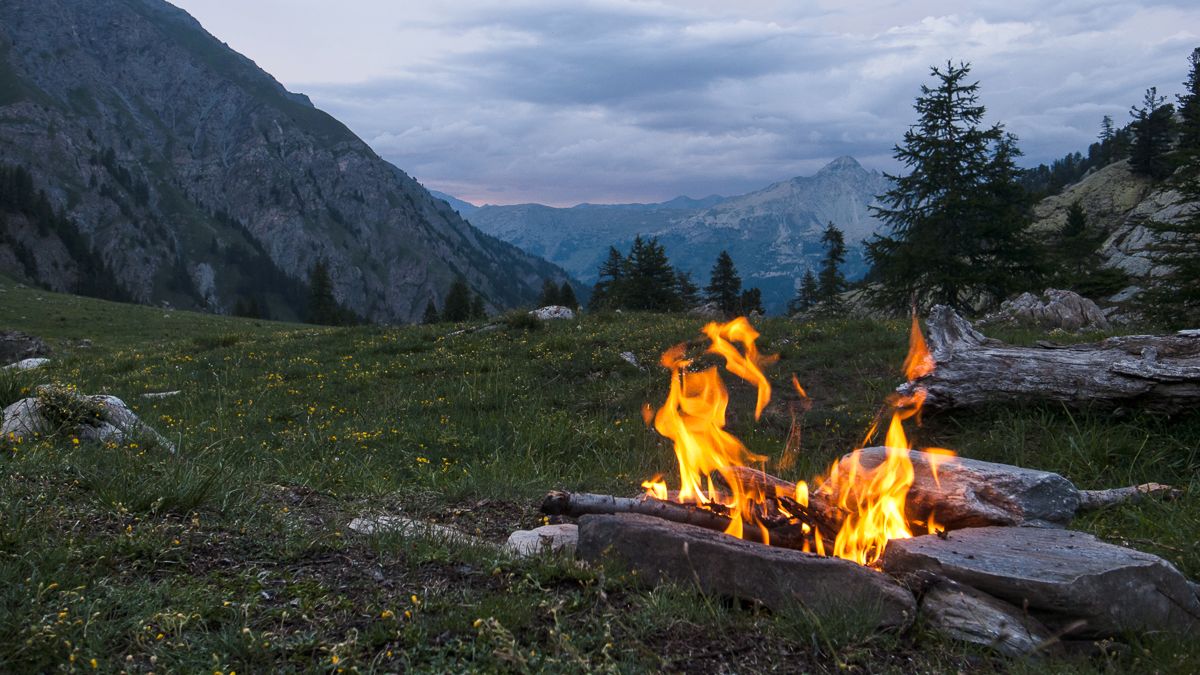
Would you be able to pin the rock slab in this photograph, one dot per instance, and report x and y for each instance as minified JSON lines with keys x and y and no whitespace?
{"x":551,"y":312}
{"x":971,"y":493}
{"x":964,"y":613}
{"x":719,"y":564}
{"x":544,"y":539}
{"x":1071,"y":581}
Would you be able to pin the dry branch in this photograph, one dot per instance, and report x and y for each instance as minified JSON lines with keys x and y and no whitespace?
{"x":1091,"y":500}
{"x":1160,"y":372}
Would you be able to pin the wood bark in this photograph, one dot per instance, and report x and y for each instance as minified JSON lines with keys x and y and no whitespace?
{"x":1160,"y":372}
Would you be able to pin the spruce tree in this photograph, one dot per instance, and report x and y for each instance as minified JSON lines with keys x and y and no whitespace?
{"x":1189,"y":109}
{"x":650,"y":279}
{"x":1151,"y":129}
{"x":458,"y":302}
{"x":957,"y":218}
{"x":725,"y":285}
{"x":323,"y":308}
{"x":806,"y":295}
{"x":830,"y":280}
{"x":609,"y":292}
{"x":1174,"y":296}
{"x":549,"y":294}
{"x":751,"y":301}
{"x":477,"y":308}
{"x":431,"y":313}
{"x":686,"y":289}
{"x":566,"y":296}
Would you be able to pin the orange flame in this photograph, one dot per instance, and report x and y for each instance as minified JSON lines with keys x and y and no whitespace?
{"x":748,"y":367}
{"x":919,"y":361}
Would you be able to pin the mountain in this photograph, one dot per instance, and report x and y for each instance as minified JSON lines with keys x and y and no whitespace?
{"x":773,"y":234}
{"x":195,"y":178}
{"x":463,"y":208}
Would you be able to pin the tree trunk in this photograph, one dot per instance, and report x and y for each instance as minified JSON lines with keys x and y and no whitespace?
{"x":1159,"y":372}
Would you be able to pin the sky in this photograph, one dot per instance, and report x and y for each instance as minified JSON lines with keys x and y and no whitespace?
{"x":610,"y":101}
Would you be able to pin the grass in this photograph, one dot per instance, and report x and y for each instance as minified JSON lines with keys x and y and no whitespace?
{"x":233,"y":553}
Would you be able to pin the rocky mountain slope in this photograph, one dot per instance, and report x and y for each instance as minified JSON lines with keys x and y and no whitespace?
{"x":197,"y":179}
{"x":773,"y":234}
{"x":1118,"y":203}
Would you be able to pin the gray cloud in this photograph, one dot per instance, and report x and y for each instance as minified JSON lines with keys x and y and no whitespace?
{"x":618,"y":100}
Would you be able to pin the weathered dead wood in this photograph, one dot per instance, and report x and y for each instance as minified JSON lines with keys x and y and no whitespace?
{"x":1159,"y":372}
{"x":783,"y":533}
{"x":970,"y":615}
{"x":1092,"y":500}
{"x":1071,"y":581}
{"x":658,"y":551}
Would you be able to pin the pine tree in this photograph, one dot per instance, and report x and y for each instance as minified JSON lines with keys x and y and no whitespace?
{"x":1174,"y":296}
{"x":609,"y":292}
{"x":1151,"y":135}
{"x":725,"y":286}
{"x":549,"y":294}
{"x":1189,"y":109}
{"x":431,"y":313}
{"x":1108,"y":135}
{"x":806,"y":295}
{"x":457,"y":306}
{"x":650,"y":279}
{"x":1078,"y":260}
{"x":686,"y":289}
{"x":958,"y":216}
{"x":751,"y":301}
{"x":566,"y":296}
{"x":323,"y":308}
{"x":830,"y":280}
{"x":477,"y":307}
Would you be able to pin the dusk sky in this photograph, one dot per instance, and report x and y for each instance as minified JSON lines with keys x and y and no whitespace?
{"x":502,"y":101}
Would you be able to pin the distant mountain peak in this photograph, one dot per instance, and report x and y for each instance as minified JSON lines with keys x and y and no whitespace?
{"x":841,"y":165}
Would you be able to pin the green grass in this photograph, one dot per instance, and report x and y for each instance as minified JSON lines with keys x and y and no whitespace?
{"x":234,"y":554}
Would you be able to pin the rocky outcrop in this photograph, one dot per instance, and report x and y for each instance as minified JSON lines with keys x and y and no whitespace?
{"x":100,"y":418}
{"x":17,"y":346}
{"x":1064,"y":310}
{"x":199,"y":180}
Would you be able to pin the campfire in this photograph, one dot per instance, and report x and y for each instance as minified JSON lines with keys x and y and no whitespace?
{"x":890,"y":528}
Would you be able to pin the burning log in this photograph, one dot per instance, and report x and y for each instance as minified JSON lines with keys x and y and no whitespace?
{"x":779,"y":578}
{"x":1160,"y":372}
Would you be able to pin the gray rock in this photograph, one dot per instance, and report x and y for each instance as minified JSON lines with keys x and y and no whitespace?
{"x":17,"y":346}
{"x":657,"y":550}
{"x":27,"y":364}
{"x":970,"y":615}
{"x":631,"y":359}
{"x":553,"y":312}
{"x":1071,"y":581}
{"x":154,"y":395}
{"x":971,"y":493}
{"x":708,"y":310}
{"x":115,"y":422}
{"x":547,"y":538}
{"x":1059,"y":309}
{"x":410,"y":527}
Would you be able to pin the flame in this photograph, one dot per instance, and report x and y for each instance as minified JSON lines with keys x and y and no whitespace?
{"x":934,"y":526}
{"x":872,"y":498}
{"x":936,"y":458}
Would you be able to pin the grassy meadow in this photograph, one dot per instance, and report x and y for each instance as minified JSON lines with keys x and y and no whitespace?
{"x":233,"y":554}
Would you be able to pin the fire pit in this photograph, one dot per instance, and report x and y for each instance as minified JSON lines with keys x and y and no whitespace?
{"x":978,"y":549}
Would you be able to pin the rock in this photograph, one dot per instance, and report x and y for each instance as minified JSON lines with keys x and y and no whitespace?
{"x":657,"y":550}
{"x":971,"y":493}
{"x":106,"y":418}
{"x":27,"y":364}
{"x":553,"y":312}
{"x":964,"y":613}
{"x":17,"y":346}
{"x":154,"y":395}
{"x":1061,"y":309}
{"x":547,"y":538}
{"x":631,"y":359}
{"x":708,"y":310}
{"x":409,"y":527}
{"x":1071,"y":581}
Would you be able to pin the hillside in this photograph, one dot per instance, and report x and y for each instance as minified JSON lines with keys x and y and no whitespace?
{"x":198,"y":180}
{"x":773,"y":234}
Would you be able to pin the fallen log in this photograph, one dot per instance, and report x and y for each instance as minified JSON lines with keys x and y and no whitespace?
{"x":1159,"y":372}
{"x":787,"y":534}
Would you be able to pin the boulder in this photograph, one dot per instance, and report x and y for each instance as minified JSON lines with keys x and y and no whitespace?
{"x":1066,"y":310}
{"x":708,"y":310}
{"x":547,"y":538}
{"x":28,"y":364}
{"x":553,"y":312}
{"x":656,"y":550}
{"x":17,"y":346}
{"x":1072,"y":582}
{"x":100,"y":418}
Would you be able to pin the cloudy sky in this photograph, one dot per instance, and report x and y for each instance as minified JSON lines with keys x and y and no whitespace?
{"x":561,"y":102}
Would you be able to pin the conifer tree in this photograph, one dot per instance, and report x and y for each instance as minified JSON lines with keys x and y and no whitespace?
{"x":806,"y":295}
{"x":549,"y":294}
{"x":457,"y":306}
{"x":725,"y":285}
{"x":1174,"y":296}
{"x":431,"y":313}
{"x":323,"y":308}
{"x":1151,"y":135}
{"x":650,"y":279}
{"x":686,"y":289}
{"x":566,"y":296}
{"x":1189,"y":109}
{"x":608,"y":293}
{"x":751,"y":301}
{"x":958,"y":217}
{"x":477,"y":308}
{"x":1078,"y":259}
{"x":830,"y":280}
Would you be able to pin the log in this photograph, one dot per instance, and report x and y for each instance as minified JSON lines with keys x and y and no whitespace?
{"x":1093,"y":500}
{"x":656,"y":551}
{"x":1072,"y":582}
{"x":786,"y":534}
{"x":1159,"y":372}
